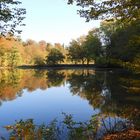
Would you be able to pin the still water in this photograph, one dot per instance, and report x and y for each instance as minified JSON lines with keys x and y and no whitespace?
{"x":43,"y":95}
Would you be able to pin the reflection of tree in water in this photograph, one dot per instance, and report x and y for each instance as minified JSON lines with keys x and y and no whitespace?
{"x":90,"y":86}
{"x":55,"y":78}
{"x":95,"y":86}
{"x":12,"y":83}
{"x":11,"y":77}
{"x":105,"y":89}
{"x":123,"y":103}
{"x":108,"y":91}
{"x":120,"y":82}
{"x":34,"y":79}
{"x":126,"y":111}
{"x":9,"y":84}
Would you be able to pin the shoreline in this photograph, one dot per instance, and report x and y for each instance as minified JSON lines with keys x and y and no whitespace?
{"x":68,"y":66}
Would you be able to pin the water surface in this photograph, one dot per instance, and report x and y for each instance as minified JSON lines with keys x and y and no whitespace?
{"x":43,"y":95}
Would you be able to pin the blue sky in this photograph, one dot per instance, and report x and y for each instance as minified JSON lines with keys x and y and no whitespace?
{"x":53,"y":21}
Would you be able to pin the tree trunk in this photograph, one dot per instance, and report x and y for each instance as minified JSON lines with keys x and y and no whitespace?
{"x":87,"y":62}
{"x":83,"y":61}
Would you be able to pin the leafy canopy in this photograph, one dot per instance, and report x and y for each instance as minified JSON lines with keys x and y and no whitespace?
{"x":55,"y":56}
{"x":125,"y":10}
{"x":11,"y":17}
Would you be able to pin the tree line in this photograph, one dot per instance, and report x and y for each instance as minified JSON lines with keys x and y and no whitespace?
{"x":16,"y":52}
{"x":116,"y":42}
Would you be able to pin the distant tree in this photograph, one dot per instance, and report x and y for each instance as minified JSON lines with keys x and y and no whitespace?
{"x":49,"y":46}
{"x":3,"y":57}
{"x":85,"y":49}
{"x":92,"y":47}
{"x":60,"y":47}
{"x":10,"y":17}
{"x":14,"y":57}
{"x":30,"y":42}
{"x":76,"y":51}
{"x":73,"y":49}
{"x":42,"y":45}
{"x":38,"y":60}
{"x":54,"y":57}
{"x":2,"y":50}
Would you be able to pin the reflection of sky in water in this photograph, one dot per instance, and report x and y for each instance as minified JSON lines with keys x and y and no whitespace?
{"x":45,"y":105}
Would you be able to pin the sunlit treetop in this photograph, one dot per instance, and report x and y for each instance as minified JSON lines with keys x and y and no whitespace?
{"x":124,"y":10}
{"x":11,"y":16}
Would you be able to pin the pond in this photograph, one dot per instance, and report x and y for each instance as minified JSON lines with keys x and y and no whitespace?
{"x":45,"y":95}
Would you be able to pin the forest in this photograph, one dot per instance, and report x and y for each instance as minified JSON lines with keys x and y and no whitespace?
{"x":111,"y":44}
{"x":115,"y":42}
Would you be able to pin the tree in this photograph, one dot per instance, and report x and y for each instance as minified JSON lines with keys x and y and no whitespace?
{"x":76,"y":52}
{"x":125,"y":44}
{"x":14,"y":57}
{"x":55,"y":57}
{"x":3,"y":57}
{"x":38,"y":60}
{"x":121,"y":42}
{"x":92,"y":47}
{"x":10,"y":17}
{"x":124,"y":10}
{"x":42,"y":45}
{"x":107,"y":28}
{"x":2,"y":51}
{"x":86,"y":49}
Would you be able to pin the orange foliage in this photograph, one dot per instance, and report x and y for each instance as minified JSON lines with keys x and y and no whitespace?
{"x":126,"y":135}
{"x":30,"y":51}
